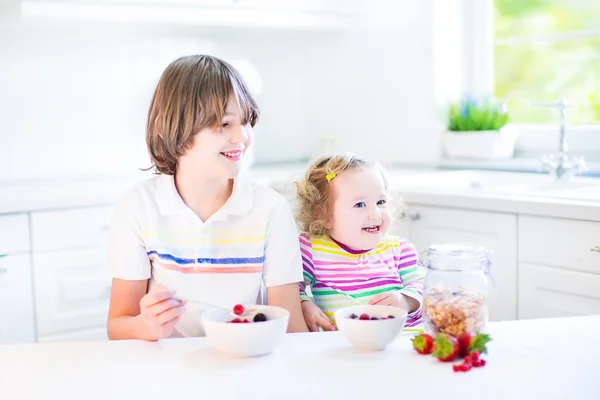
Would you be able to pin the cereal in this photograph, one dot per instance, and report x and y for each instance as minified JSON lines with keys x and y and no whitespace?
{"x":454,"y":311}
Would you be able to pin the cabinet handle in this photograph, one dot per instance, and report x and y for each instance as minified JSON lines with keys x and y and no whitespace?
{"x":597,"y":249}
{"x":414,"y":216}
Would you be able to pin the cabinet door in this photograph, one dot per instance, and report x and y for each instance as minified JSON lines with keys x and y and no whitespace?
{"x":497,"y":232}
{"x":87,"y":335}
{"x":72,"y":290}
{"x":548,"y":292}
{"x":16,"y":300}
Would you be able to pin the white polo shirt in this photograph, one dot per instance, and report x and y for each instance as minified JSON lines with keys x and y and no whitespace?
{"x":251,"y":242}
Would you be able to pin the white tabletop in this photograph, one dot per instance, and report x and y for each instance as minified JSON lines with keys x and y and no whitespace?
{"x":535,"y":359}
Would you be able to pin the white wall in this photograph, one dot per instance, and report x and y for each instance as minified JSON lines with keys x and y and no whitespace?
{"x":73,"y":101}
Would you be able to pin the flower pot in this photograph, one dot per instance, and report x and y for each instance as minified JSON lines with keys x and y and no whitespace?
{"x":490,"y":145}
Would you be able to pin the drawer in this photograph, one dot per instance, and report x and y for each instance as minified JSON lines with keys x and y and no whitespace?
{"x":555,"y":293}
{"x":66,"y":229}
{"x":14,"y":234}
{"x":555,"y":242}
{"x":72,"y":290}
{"x":16,"y":300}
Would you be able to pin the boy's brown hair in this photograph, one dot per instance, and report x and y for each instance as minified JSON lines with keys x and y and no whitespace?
{"x":315,"y":194}
{"x":191,"y":95}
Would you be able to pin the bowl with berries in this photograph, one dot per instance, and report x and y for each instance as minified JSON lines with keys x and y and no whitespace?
{"x":370,"y":327}
{"x":245,"y":330}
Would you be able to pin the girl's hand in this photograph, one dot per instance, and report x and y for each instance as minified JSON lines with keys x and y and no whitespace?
{"x":159,"y":312}
{"x":395,"y":299}
{"x":315,"y":318}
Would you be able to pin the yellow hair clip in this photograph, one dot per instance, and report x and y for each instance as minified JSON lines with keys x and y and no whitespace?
{"x":330,"y":174}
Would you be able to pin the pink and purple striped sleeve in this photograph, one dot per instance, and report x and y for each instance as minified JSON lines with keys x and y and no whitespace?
{"x":308,"y":268}
{"x":412,"y":275}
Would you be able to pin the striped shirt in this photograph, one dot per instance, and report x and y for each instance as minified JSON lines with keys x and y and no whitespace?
{"x":337,"y":278}
{"x":250,"y":244}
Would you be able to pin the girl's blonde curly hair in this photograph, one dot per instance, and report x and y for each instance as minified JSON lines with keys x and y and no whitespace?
{"x":315,"y":193}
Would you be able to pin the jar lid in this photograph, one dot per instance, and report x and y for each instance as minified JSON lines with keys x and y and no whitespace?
{"x":455,"y":257}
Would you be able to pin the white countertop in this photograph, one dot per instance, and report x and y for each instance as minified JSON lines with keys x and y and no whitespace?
{"x":99,"y":191}
{"x":531,"y":359}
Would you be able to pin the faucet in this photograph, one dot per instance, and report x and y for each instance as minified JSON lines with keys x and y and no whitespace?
{"x":560,"y":165}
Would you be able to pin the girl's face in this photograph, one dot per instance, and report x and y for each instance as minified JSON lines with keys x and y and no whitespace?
{"x":360,"y":217}
{"x":219,"y":153}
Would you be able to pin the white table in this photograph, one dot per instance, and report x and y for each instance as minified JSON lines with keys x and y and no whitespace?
{"x":535,"y":359}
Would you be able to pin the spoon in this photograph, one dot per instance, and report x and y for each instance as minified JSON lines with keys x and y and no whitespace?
{"x":247,"y":312}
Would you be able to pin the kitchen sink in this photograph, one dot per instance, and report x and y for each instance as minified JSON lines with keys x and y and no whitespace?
{"x":505,"y":182}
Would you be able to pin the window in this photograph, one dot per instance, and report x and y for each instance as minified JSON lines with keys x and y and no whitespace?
{"x":544,"y":49}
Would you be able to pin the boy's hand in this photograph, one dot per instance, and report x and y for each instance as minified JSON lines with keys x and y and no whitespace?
{"x":159,"y":312}
{"x":315,"y":318}
{"x":395,"y":299}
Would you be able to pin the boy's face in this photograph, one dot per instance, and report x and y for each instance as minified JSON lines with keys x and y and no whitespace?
{"x":219,"y":152}
{"x":360,"y":216}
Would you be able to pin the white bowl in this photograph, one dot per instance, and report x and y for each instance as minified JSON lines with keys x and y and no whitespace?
{"x":245,"y":339}
{"x":370,"y":335}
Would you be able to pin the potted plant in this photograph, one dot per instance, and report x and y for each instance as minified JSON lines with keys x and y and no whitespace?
{"x":479,"y":129}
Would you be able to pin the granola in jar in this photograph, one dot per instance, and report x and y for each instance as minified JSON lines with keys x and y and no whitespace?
{"x":454,"y":311}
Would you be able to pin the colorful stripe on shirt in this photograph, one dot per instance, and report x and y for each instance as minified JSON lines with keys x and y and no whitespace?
{"x":340,"y":279}
{"x":225,"y":265}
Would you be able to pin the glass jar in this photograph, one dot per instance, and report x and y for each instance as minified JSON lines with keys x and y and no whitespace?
{"x":455,"y":296}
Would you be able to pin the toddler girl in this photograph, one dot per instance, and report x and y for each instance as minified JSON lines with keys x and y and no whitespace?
{"x":348,"y":258}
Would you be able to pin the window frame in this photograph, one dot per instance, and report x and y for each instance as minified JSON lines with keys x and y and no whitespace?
{"x":478,"y":59}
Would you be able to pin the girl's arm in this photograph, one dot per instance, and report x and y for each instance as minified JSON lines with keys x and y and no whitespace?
{"x":413,"y":277}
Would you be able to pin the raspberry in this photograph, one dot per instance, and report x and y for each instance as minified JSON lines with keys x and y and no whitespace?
{"x":456,"y":368}
{"x":474,"y":356}
{"x":260,"y":317}
{"x":465,"y":367}
{"x":353,"y":316}
{"x":364,"y":317}
{"x":238,"y":309}
{"x":477,"y":363}
{"x":245,"y":321}
{"x":482,"y":362}
{"x":236,"y":321}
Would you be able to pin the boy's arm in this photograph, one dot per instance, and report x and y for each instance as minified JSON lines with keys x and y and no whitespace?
{"x":282,"y":268}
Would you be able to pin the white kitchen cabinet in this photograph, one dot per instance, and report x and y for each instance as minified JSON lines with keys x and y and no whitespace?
{"x":559,"y":267}
{"x":71,"y":228}
{"x":283,"y":14}
{"x":425,"y":226}
{"x":16,"y":300}
{"x":563,"y":243}
{"x":72,"y":290}
{"x":548,"y":292}
{"x":86,"y":335}
{"x":14,"y":234}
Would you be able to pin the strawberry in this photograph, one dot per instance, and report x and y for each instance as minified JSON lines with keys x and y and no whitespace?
{"x":423,"y":343}
{"x":476,"y":343}
{"x":445,"y":347}
{"x":238,"y":309}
